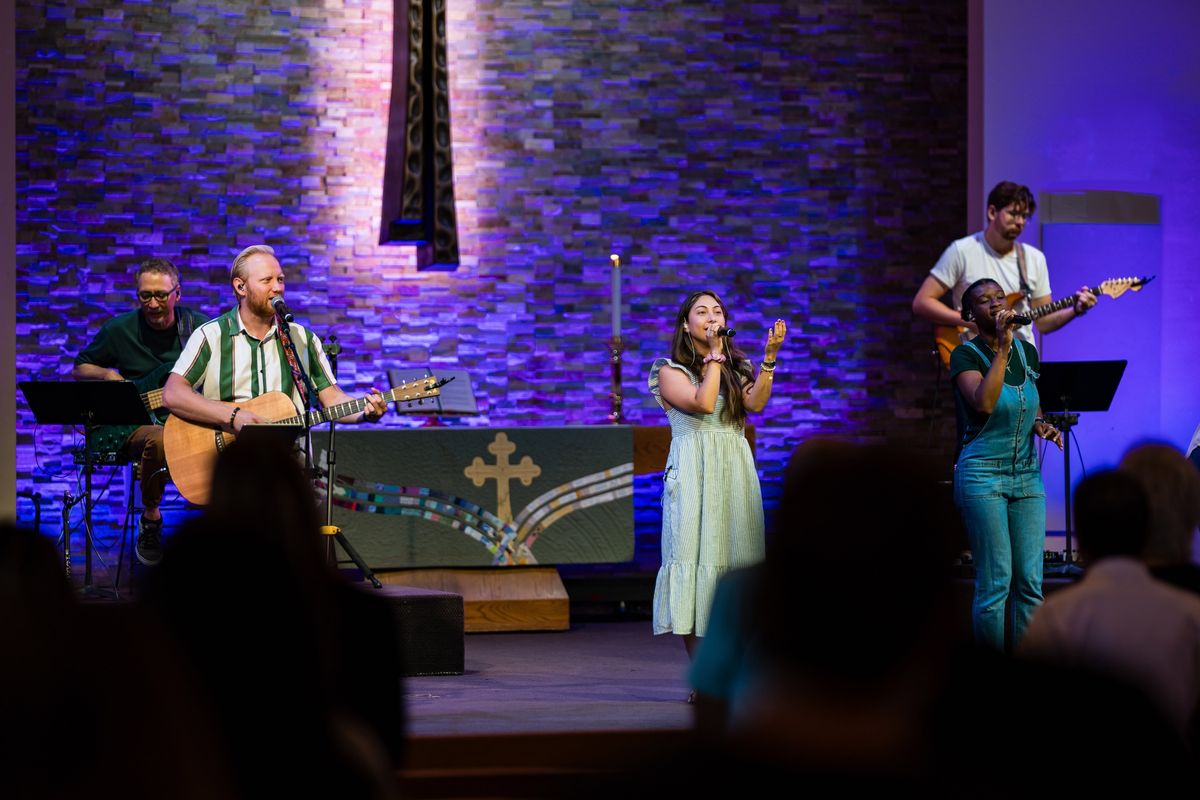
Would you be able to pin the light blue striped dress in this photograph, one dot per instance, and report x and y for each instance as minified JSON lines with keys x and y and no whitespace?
{"x":712,"y":512}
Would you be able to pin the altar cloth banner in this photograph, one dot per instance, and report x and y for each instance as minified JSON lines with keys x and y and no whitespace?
{"x":447,"y":497}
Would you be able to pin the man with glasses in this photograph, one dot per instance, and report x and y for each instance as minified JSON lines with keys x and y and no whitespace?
{"x":995,"y":253}
{"x":142,"y":346}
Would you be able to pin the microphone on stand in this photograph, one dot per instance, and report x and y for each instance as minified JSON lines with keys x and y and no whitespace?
{"x":281,"y":309}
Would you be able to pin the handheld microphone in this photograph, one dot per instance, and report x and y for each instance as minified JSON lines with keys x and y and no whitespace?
{"x":728,"y":332}
{"x":281,"y":309}
{"x":1017,"y":320}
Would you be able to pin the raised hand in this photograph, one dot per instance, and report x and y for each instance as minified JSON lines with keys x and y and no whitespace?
{"x":775,"y":336}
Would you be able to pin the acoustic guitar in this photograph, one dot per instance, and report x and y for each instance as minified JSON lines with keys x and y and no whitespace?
{"x":948,"y":337}
{"x":192,"y":449}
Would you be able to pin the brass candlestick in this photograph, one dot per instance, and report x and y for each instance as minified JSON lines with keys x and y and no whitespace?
{"x":615,"y":417}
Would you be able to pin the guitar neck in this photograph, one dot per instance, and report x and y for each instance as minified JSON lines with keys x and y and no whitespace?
{"x":1057,"y":305}
{"x":401,"y":394}
{"x":153,"y":400}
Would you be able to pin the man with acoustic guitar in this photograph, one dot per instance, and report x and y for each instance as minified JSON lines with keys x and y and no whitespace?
{"x":142,"y":346}
{"x":995,"y":253}
{"x":241,"y":355}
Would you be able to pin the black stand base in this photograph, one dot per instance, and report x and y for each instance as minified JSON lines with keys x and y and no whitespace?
{"x":335,"y":535}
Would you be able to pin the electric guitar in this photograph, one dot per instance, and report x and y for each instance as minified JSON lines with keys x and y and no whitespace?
{"x":948,"y":337}
{"x":192,"y":449}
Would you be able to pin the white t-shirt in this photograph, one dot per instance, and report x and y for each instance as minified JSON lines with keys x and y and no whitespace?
{"x":971,"y":258}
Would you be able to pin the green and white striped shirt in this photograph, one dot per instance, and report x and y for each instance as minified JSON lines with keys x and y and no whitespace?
{"x":224,"y":362}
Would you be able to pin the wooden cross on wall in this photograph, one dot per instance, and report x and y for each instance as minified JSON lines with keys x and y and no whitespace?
{"x":418,"y":174}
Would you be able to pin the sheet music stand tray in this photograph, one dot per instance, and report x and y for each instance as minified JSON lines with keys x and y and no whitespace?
{"x":90,"y":404}
{"x":1067,"y":388}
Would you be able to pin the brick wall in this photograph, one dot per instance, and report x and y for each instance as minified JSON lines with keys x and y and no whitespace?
{"x":805,"y":159}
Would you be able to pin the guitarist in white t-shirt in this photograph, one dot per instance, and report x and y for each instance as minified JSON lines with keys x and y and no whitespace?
{"x":995,"y":253}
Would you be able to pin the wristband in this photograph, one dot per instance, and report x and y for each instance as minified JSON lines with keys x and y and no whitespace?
{"x":233,"y":416}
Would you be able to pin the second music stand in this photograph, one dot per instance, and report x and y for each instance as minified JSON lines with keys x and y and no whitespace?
{"x":1067,"y":388}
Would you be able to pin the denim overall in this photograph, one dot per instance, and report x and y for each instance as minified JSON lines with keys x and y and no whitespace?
{"x":998,"y":490}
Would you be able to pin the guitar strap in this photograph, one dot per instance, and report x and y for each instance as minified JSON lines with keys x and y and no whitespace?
{"x":1025,"y":290}
{"x":183,"y":328}
{"x":285,"y":339}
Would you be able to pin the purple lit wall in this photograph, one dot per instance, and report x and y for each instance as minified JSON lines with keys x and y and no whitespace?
{"x":807,"y":160}
{"x":1104,"y":96}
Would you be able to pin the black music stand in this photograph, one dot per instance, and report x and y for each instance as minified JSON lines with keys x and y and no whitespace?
{"x":456,"y":399}
{"x":1067,"y":388}
{"x":90,"y":404}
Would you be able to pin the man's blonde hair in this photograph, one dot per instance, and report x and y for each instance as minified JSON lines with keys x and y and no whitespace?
{"x":238,"y":270}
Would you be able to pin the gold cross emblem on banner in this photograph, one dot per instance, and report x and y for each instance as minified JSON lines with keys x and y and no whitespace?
{"x":502,"y":472}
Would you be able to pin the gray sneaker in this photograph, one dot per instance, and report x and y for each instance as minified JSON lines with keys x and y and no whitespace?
{"x":149,"y":541}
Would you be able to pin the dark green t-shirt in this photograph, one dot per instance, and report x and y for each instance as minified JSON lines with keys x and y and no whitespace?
{"x":965,"y":359}
{"x":126,"y":343}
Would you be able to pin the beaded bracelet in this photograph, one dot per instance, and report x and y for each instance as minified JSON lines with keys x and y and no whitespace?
{"x":769,"y":366}
{"x":233,"y":416}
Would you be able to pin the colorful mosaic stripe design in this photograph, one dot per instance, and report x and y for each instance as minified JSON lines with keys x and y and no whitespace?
{"x":508,"y":544}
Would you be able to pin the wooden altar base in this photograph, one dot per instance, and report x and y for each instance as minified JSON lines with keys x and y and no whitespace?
{"x":503,"y":599}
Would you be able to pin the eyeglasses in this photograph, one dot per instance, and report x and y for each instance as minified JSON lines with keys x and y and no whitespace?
{"x":161,"y":297}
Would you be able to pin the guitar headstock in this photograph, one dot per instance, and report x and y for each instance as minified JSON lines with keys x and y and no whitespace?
{"x":418,"y":390}
{"x":1115,"y":287}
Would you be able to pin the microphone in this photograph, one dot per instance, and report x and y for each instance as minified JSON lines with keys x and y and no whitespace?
{"x":1017,"y":320}
{"x":727,"y":332}
{"x":281,"y":309}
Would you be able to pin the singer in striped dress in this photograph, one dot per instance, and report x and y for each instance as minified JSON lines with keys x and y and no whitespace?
{"x":712,"y":503}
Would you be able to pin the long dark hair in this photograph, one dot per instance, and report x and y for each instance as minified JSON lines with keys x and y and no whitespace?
{"x":736,"y":372}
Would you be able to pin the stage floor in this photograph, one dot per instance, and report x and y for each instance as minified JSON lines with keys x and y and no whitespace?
{"x":598,"y":676}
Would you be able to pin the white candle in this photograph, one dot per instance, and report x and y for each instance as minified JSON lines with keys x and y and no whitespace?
{"x":616,"y":294}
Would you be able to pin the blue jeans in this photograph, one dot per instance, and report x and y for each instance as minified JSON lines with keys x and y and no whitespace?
{"x":1003,"y":507}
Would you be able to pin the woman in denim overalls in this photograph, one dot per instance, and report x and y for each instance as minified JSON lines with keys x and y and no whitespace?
{"x":997,"y":480}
